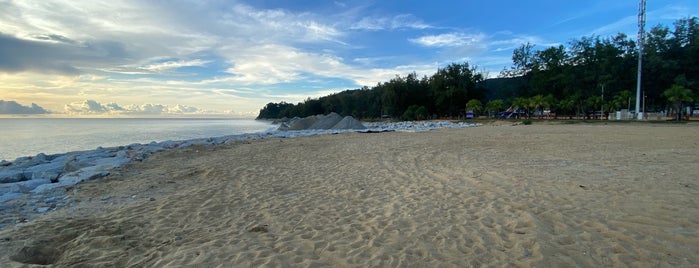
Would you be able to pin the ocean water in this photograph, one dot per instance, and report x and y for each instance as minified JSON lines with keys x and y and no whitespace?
{"x":30,"y":136}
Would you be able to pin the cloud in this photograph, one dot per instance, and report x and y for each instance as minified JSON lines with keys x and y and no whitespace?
{"x":449,"y":40}
{"x":278,"y":26}
{"x":92,"y":107}
{"x":21,"y":55}
{"x":403,"y":21}
{"x":12,"y":107}
{"x":87,"y":107}
{"x":142,"y":50}
{"x":175,"y":64}
{"x":158,"y":66}
{"x":43,"y":55}
{"x":627,"y":22}
{"x":505,"y":41}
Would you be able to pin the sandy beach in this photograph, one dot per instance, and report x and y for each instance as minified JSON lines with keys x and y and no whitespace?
{"x":542,"y":195}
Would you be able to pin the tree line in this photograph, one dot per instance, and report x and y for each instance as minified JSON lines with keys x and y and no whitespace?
{"x":590,"y":74}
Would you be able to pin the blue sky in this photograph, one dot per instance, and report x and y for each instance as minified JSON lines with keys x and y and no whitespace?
{"x":232,"y":57}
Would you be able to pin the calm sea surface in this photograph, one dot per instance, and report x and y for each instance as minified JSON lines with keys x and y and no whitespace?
{"x":30,"y":136}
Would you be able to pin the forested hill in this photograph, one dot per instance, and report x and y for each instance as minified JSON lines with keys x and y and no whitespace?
{"x":591,"y":73}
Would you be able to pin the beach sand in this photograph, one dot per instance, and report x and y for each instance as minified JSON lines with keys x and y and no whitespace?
{"x":588,"y":195}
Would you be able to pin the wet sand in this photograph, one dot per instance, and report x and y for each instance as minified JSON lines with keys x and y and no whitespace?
{"x":539,"y":195}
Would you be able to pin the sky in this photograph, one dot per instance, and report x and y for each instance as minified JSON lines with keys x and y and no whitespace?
{"x":230,"y":57}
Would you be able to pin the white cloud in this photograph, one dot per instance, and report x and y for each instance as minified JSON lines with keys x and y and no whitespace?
{"x":508,"y":42}
{"x":271,"y":64}
{"x":627,"y":22}
{"x":168,"y":65}
{"x":120,"y":51}
{"x":449,"y":40}
{"x":86,"y":107}
{"x":276,"y":26}
{"x":403,"y":21}
{"x":92,"y":107}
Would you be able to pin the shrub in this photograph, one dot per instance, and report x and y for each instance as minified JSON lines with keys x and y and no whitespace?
{"x":527,"y":121}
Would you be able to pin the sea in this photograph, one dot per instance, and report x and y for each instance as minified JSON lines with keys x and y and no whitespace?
{"x":21,"y":137}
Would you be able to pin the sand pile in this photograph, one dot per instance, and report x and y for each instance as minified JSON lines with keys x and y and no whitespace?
{"x":506,"y":196}
{"x":330,"y":121}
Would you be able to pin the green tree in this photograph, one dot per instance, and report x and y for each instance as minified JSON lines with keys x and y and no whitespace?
{"x":494,"y":106}
{"x":523,"y":61}
{"x":538,"y":103}
{"x":449,"y":87}
{"x":676,"y":95}
{"x":409,"y":113}
{"x":474,"y":105}
{"x":521,"y":103}
{"x":567,"y":106}
{"x":421,"y":113}
{"x":594,"y":102}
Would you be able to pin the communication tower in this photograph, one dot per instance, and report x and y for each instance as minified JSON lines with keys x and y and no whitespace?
{"x":641,"y":40}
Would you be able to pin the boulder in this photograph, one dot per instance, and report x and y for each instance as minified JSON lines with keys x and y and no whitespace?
{"x":12,"y":175}
{"x":48,"y":171}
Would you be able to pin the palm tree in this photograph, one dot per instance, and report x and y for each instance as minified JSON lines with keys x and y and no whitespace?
{"x":474,"y":105}
{"x":568,"y":105}
{"x":494,"y":106}
{"x":551,"y":103}
{"x":537,"y":103}
{"x":521,"y":103}
{"x":678,"y":94}
{"x":594,"y":102}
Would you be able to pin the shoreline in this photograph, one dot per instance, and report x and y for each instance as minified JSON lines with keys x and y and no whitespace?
{"x":542,"y":195}
{"x":46,"y":181}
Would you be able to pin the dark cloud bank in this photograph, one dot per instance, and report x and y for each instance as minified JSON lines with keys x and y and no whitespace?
{"x":12,"y":107}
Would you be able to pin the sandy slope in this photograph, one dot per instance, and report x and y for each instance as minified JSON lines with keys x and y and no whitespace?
{"x":540,"y":195}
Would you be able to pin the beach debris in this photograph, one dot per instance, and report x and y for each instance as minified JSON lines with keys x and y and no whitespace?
{"x":582,"y":187}
{"x":260,"y":229}
{"x":375,"y":131}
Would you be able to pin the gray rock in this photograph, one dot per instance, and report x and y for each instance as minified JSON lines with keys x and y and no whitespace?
{"x":10,"y":188}
{"x":11,"y":175}
{"x":73,"y":164}
{"x":50,"y":171}
{"x":9,"y":196}
{"x":52,"y":199}
{"x":27,"y":186}
{"x":42,"y":210}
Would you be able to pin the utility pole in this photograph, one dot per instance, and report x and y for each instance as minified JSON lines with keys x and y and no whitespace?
{"x":602,"y":112}
{"x":641,"y":39}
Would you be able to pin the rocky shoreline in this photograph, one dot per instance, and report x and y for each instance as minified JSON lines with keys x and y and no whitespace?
{"x":34,"y":185}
